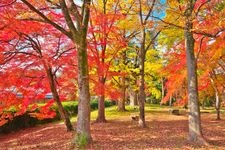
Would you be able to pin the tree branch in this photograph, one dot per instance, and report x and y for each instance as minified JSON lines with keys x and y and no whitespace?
{"x":149,"y":12}
{"x":152,"y":41}
{"x":61,"y":29}
{"x":68,"y":18}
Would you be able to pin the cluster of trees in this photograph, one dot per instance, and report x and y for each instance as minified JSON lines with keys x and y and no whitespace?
{"x":111,"y":48}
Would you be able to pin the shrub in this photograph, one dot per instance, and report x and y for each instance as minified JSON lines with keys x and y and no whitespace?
{"x":25,"y":120}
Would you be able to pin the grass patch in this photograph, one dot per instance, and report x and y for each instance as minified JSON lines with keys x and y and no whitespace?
{"x":112,"y":113}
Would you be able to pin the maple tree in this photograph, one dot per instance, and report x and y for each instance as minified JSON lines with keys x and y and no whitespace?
{"x":58,"y":14}
{"x":29,"y":50}
{"x":53,"y":46}
{"x":105,"y":41}
{"x":194,"y":14}
{"x":145,"y":11}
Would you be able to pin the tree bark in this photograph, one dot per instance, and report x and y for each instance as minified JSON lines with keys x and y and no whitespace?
{"x":170,"y":101}
{"x":133,"y":97}
{"x":101,"y":103}
{"x":217,"y":97}
{"x":195,"y":131}
{"x":101,"y":109}
{"x":141,"y":98}
{"x":163,"y":89}
{"x":83,"y":117}
{"x":217,"y":106}
{"x":121,"y":102}
{"x":144,"y":46}
{"x":63,"y":113}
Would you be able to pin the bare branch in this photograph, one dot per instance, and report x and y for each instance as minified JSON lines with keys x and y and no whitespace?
{"x":200,"y":48}
{"x":149,"y":12}
{"x":68,"y":18}
{"x":86,"y":15}
{"x":76,"y":14}
{"x":215,"y":35}
{"x":168,"y":23}
{"x":140,"y":12}
{"x":152,"y":41}
{"x":61,"y":29}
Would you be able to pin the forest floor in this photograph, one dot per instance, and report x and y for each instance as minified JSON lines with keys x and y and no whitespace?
{"x":164,"y":131}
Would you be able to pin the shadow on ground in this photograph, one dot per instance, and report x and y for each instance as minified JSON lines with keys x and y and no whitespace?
{"x":164,"y":131}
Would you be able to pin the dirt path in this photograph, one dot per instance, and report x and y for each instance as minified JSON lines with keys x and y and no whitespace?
{"x":164,"y":132}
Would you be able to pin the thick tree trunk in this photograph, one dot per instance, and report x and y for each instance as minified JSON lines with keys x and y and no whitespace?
{"x":195,"y":132}
{"x":121,"y":105}
{"x":63,"y":113}
{"x":83,"y":117}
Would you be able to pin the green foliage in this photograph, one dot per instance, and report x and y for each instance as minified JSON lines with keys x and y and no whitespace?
{"x":208,"y":102}
{"x":153,"y":65}
{"x":153,"y":100}
{"x":71,"y":107}
{"x":220,"y":6}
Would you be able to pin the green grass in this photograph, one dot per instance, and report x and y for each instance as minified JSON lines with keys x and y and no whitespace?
{"x":112,"y":112}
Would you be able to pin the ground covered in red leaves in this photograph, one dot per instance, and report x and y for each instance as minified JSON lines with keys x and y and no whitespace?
{"x":164,"y":131}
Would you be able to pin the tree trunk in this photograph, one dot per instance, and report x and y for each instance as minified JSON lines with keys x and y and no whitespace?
{"x":101,"y":109}
{"x":217,"y":106}
{"x":133,"y":97}
{"x":141,"y":98}
{"x":163,"y":90}
{"x":121,"y":102}
{"x":121,"y":105}
{"x":195,"y":132}
{"x":83,"y":117}
{"x":217,"y":97}
{"x":63,"y":113}
{"x":101,"y":103}
{"x":171,"y":100}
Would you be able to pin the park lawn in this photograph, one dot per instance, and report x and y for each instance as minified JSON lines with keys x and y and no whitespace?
{"x":164,"y":131}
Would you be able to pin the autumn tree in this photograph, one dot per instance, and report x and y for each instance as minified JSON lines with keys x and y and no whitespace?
{"x":25,"y":43}
{"x":192,"y":15}
{"x":50,"y":66}
{"x":105,"y":41}
{"x":211,"y":66}
{"x":146,"y":9}
{"x":72,"y":21}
